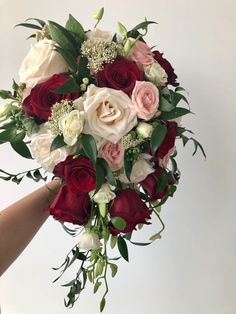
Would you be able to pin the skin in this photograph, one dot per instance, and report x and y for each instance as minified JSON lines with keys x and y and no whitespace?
{"x":20,"y":222}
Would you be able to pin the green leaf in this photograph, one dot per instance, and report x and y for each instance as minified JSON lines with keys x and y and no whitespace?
{"x":175,"y":113}
{"x":156,"y":236}
{"x":9,"y":125}
{"x":21,"y":148}
{"x":5,"y":94}
{"x":42,"y":23}
{"x":143,"y":25}
{"x":57,"y":142}
{"x":83,"y":70}
{"x":165,"y":105}
{"x":113,"y":241}
{"x":19,"y":137}
{"x":114,"y":269}
{"x":62,"y":37}
{"x":89,"y":146}
{"x":74,"y":26}
{"x":107,"y":171}
{"x":29,"y":25}
{"x":118,"y":222}
{"x":100,"y":177}
{"x":157,"y":137}
{"x":197,"y":144}
{"x":69,"y":87}
{"x":128,"y":165}
{"x":140,"y":243}
{"x":96,"y":286}
{"x":162,"y":183}
{"x":69,"y":58}
{"x":177,"y":97}
{"x":90,"y":275}
{"x":123,"y":249}
{"x":102,"y":304}
{"x":7,"y":135}
{"x":99,"y":268}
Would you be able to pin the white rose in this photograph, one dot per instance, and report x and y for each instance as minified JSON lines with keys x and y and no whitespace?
{"x":144,"y":129}
{"x":71,"y":126}
{"x":141,"y":169}
{"x":40,"y":147}
{"x":89,"y":241}
{"x":104,"y":195}
{"x":41,"y":62}
{"x":109,"y":113}
{"x":98,"y":34}
{"x":156,"y":74}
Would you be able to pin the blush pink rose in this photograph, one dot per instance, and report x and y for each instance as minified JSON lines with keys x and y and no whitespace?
{"x":145,"y":99}
{"x":113,"y":154}
{"x":141,"y":54}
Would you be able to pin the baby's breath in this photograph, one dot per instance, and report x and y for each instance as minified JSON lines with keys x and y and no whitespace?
{"x":128,"y":141}
{"x":59,"y":110}
{"x":99,"y":52}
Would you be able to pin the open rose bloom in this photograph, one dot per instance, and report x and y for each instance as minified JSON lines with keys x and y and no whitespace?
{"x":100,"y":111}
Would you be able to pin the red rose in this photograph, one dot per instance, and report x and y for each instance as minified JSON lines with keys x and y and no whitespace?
{"x":169,"y":140}
{"x":131,"y":208}
{"x":79,"y":173}
{"x":150,"y":185}
{"x":121,"y":74}
{"x":165,"y":64}
{"x":42,"y":97}
{"x":71,"y":207}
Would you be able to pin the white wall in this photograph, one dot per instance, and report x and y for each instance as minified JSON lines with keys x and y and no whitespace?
{"x":192,"y":269}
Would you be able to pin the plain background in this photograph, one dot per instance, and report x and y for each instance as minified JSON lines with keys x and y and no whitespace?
{"x":193,"y":268}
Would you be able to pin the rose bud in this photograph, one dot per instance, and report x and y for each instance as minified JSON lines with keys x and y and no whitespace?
{"x":144,"y":129}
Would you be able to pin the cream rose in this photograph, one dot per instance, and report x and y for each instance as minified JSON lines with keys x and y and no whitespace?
{"x":41,"y":62}
{"x":109,"y":113}
{"x":141,"y":169}
{"x":113,"y":154}
{"x":156,"y":74}
{"x":98,"y":34}
{"x":71,"y":126}
{"x":145,"y":99}
{"x":89,"y":241}
{"x":104,"y":195}
{"x":40,"y":147}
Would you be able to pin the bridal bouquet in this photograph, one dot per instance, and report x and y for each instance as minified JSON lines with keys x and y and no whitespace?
{"x":101,"y":111}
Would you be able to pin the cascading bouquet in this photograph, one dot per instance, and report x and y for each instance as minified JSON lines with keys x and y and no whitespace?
{"x":96,"y":109}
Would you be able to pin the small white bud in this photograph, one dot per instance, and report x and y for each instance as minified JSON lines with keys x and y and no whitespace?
{"x":144,"y":129}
